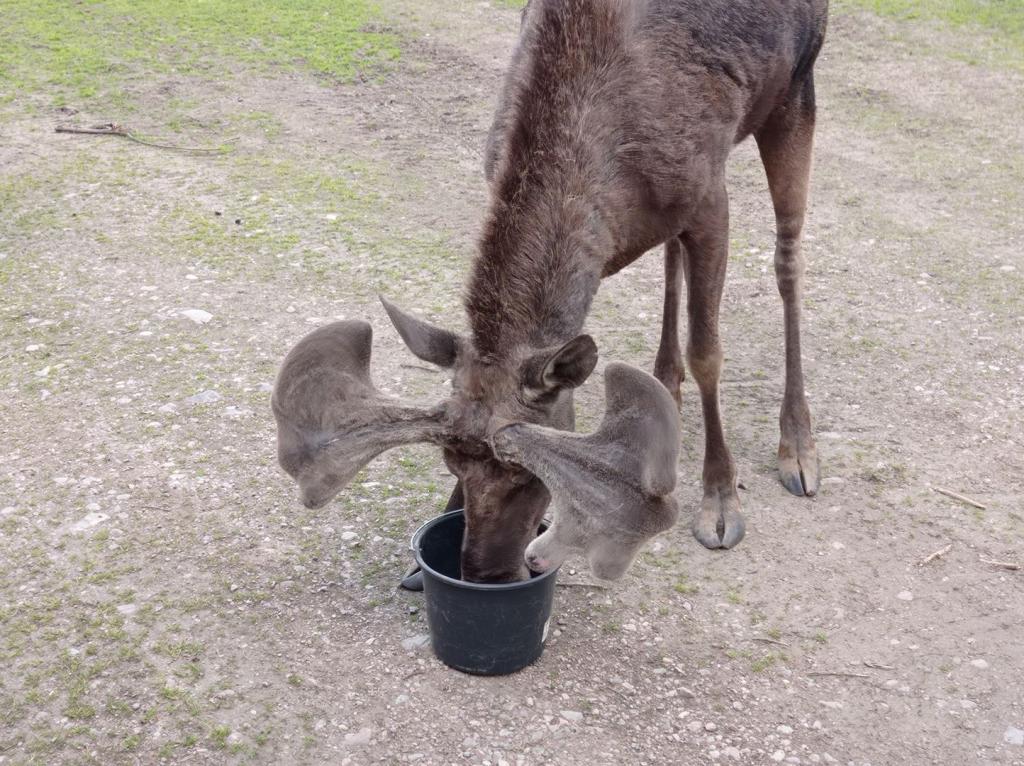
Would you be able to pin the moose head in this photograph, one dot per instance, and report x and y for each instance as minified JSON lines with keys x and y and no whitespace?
{"x":505,"y":432}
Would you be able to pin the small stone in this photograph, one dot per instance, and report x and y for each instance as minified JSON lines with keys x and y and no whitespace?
{"x":359,"y":738}
{"x":832,"y":704}
{"x":1013,"y":736}
{"x":205,"y":397}
{"x":89,"y":521}
{"x":695,"y":726}
{"x":979,"y":664}
{"x":710,"y":727}
{"x":731,"y":752}
{"x":168,"y":408}
{"x":783,"y":729}
{"x":905,"y":595}
{"x":967,"y":705}
{"x":127,"y":609}
{"x":416,"y":642}
{"x":197,"y":315}
{"x":349,"y":535}
{"x":573,"y":716}
{"x":779,"y":756}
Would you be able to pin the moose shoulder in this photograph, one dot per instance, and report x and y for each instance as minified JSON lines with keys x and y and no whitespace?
{"x":610,"y":138}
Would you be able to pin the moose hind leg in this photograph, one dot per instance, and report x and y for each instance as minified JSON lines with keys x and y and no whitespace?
{"x":718,"y":523}
{"x":785,"y":143}
{"x":668,"y":364}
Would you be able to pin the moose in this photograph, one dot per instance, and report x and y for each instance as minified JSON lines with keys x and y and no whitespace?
{"x":611,"y":136}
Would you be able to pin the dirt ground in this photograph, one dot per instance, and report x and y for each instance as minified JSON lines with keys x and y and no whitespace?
{"x":165,"y":598}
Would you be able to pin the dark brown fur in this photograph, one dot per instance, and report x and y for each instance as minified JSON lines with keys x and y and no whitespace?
{"x":610,"y":138}
{"x":612,"y":134}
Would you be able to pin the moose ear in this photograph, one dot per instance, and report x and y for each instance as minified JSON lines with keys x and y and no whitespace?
{"x":429,"y":343}
{"x":565,"y":367}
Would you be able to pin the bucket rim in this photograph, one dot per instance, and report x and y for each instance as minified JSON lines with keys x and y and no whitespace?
{"x":414,"y":545}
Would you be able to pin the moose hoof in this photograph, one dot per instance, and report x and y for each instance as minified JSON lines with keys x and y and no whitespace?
{"x":717,"y":525}
{"x":413,"y":580}
{"x":800,"y":475}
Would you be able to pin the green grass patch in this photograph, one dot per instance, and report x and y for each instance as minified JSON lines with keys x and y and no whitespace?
{"x":219,"y":736}
{"x":1005,"y":17}
{"x":1002,"y":20}
{"x":86,"y":48}
{"x":763,"y":663}
{"x":685,"y":587}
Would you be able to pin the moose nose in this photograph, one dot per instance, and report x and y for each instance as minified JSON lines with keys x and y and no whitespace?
{"x":536,"y":563}
{"x":313,"y":499}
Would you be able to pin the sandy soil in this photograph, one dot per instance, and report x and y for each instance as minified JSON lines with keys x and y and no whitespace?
{"x":166,"y":599}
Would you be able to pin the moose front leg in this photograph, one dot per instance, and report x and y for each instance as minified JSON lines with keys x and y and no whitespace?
{"x":718,"y":523}
{"x":785,"y":143}
{"x":668,"y":364}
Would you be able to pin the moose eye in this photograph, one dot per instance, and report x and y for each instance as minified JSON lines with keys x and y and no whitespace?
{"x":536,"y":399}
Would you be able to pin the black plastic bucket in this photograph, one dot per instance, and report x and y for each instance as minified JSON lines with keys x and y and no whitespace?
{"x":478,"y":628}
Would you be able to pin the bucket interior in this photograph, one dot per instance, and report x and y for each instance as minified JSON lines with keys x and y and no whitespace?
{"x":440,"y":546}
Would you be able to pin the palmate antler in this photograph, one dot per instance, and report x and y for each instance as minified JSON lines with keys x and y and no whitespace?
{"x":612,"y":489}
{"x":331,"y":419}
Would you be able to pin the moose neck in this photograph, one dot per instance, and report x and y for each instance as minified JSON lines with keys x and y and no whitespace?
{"x":537,"y":271}
{"x":553,"y":177}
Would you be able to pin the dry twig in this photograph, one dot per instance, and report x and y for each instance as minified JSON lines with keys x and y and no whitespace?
{"x":877,"y":666}
{"x":765,"y":640}
{"x":839,"y":674}
{"x":114,"y":129}
{"x":1012,"y":566}
{"x":958,"y":496}
{"x":938,"y":554}
{"x":578,"y":584}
